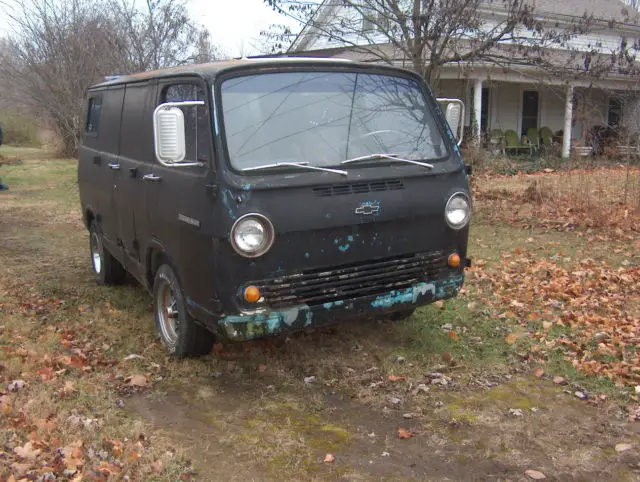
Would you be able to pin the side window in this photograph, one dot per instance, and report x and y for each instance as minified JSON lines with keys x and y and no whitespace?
{"x":136,"y":134}
{"x":93,"y":114}
{"x":196,"y":123}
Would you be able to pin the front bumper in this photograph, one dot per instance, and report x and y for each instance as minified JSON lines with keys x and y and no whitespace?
{"x":265,"y":322}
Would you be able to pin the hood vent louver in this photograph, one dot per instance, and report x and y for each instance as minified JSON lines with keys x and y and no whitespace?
{"x":358,"y":188}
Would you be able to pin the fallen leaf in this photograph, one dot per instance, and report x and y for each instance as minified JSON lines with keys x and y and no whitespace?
{"x":511,"y":339}
{"x":454,"y":335}
{"x":133,"y":356}
{"x":538,"y":372}
{"x":403,"y":433}
{"x":623,"y":447}
{"x":395,"y":378}
{"x":559,"y":380}
{"x":27,"y":451}
{"x":547,"y":325}
{"x":329,"y":459}
{"x":138,"y":381}
{"x":439,"y":304}
{"x":535,"y":474}
{"x":16,"y":385}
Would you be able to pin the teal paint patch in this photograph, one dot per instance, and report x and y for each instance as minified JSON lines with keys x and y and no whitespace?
{"x":308,"y":318}
{"x":438,"y":290}
{"x":328,"y":306}
{"x":344,"y":247}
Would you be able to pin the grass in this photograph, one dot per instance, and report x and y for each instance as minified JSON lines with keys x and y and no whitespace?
{"x":248,"y":413}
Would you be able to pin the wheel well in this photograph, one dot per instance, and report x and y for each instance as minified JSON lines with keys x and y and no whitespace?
{"x":88,"y":217}
{"x":155,"y":259}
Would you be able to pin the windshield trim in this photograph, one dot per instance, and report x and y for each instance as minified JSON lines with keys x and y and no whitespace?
{"x":429,"y":98}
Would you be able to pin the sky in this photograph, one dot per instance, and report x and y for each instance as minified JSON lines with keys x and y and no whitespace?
{"x":234,"y":25}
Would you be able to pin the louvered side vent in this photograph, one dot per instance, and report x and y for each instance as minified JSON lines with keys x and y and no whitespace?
{"x":358,"y":188}
{"x":170,"y":142}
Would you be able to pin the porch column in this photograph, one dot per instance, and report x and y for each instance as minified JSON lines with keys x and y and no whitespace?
{"x":568,"y":119}
{"x":476,"y":122}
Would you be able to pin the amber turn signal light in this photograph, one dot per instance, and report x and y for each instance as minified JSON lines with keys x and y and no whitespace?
{"x":252,"y":294}
{"x":454,"y":260}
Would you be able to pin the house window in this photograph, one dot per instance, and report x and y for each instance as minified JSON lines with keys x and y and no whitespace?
{"x":368,"y":25}
{"x":614,"y":115}
{"x":529,"y":111}
{"x":484,"y":111}
{"x":93,"y":114}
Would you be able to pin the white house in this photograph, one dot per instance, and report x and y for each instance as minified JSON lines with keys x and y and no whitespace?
{"x":518,"y":96}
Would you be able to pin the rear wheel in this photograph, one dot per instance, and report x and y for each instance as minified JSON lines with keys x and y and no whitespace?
{"x":107,"y":269}
{"x":179,"y":333}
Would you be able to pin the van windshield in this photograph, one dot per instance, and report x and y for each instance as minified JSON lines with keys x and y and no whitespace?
{"x":325,"y":118}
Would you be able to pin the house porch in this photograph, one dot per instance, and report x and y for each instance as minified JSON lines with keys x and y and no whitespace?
{"x":518,"y":105}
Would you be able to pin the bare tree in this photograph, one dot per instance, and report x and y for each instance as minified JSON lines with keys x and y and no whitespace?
{"x":58,"y":48}
{"x":428,"y":34}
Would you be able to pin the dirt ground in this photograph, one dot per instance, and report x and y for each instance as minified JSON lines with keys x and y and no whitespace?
{"x":446,"y":395}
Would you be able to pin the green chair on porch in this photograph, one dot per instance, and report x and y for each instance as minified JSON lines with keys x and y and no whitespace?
{"x":512,"y":142}
{"x":496,"y":140}
{"x":546,"y":136}
{"x":534,"y":138}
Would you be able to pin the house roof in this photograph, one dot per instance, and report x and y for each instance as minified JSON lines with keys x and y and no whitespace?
{"x":602,"y":11}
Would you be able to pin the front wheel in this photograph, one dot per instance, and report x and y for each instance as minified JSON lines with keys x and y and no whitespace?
{"x":107,"y":269}
{"x":179,"y":333}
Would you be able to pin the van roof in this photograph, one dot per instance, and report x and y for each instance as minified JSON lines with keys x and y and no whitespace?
{"x":214,"y":68}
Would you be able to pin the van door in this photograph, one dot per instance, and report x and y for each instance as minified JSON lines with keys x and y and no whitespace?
{"x":179,"y":199}
{"x":135,"y":153}
{"x":99,"y":158}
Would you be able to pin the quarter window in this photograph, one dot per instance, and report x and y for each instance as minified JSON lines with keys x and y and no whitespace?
{"x":93,"y":114}
{"x":197,"y":133}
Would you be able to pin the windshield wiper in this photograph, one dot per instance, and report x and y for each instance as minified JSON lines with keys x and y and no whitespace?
{"x":304,"y":165}
{"x":390,"y":157}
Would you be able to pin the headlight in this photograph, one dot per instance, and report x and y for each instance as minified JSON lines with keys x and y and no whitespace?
{"x":252,"y":235}
{"x":458,"y":211}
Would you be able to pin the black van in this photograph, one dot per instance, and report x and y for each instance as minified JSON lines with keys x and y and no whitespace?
{"x":255,"y":197}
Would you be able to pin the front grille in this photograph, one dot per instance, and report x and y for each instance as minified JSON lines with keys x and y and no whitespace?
{"x":325,"y":285}
{"x":358,"y":188}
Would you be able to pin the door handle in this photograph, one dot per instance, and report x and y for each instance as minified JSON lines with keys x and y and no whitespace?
{"x":151,"y":178}
{"x":114,"y":165}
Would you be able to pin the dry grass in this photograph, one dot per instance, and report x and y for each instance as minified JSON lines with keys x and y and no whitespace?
{"x":249,"y":415}
{"x":596,"y":198}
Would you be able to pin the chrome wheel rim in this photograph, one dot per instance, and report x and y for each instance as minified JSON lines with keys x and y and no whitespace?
{"x":96,"y":256}
{"x":168,"y":314}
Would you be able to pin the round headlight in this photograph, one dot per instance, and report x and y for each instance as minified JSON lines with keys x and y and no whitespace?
{"x":252,"y":235}
{"x":458,"y":211}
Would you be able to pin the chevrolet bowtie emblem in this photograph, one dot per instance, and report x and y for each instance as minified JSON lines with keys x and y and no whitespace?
{"x":368,"y":209}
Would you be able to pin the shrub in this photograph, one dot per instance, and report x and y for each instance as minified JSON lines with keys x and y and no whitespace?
{"x":19,"y":130}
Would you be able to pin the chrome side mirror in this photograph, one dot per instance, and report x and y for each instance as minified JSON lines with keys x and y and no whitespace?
{"x":454,"y":113}
{"x":169,"y":134}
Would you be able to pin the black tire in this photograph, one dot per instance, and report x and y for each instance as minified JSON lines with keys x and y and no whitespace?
{"x":401,"y":315}
{"x":107,"y":269}
{"x":179,"y":333}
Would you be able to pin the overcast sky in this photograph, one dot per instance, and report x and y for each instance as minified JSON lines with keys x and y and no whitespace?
{"x":235,"y":25}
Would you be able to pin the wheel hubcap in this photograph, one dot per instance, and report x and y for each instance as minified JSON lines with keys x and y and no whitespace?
{"x":96,"y":256}
{"x":168,"y":313}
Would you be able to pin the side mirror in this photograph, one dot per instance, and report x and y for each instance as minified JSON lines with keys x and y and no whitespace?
{"x":454,"y":113}
{"x":169,"y":134}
